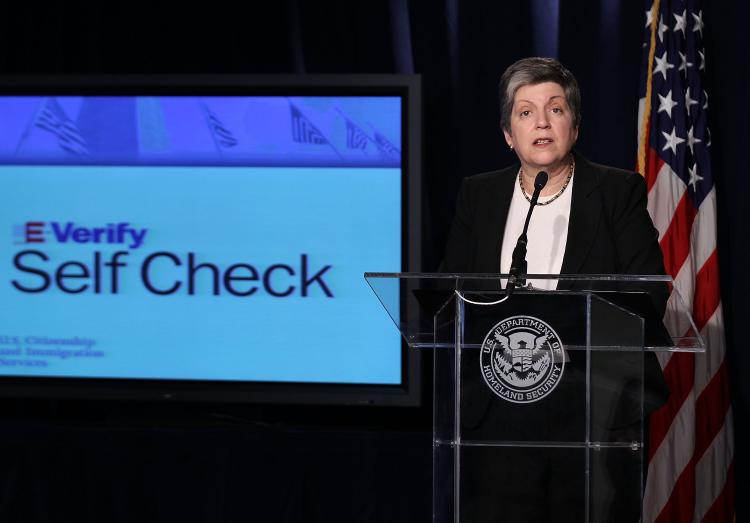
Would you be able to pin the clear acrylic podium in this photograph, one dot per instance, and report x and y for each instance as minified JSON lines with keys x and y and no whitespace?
{"x":540,"y":398}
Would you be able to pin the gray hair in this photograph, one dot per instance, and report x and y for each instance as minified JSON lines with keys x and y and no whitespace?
{"x":532,"y":71}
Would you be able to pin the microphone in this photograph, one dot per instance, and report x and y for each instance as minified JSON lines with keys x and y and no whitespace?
{"x":518,"y":263}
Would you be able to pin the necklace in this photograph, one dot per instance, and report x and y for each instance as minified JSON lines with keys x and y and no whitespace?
{"x":555,"y":197}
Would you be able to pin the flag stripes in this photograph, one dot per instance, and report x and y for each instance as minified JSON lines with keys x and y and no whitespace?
{"x":722,"y":510}
{"x":664,"y":196}
{"x":676,"y":242}
{"x":711,"y":409}
{"x":706,"y":291}
{"x":303,"y":130}
{"x":52,"y":118}
{"x":679,"y":374}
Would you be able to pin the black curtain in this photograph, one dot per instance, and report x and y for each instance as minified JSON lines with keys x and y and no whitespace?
{"x":78,"y":461}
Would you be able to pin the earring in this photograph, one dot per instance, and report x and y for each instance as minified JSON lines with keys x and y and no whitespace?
{"x":510,"y":146}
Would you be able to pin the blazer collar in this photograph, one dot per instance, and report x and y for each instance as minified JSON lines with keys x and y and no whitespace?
{"x":585,"y":216}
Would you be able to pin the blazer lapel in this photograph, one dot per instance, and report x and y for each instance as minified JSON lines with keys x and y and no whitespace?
{"x":585,"y":216}
{"x":495,"y":225}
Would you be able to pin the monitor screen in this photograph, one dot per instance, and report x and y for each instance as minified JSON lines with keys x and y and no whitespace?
{"x":178,"y":241}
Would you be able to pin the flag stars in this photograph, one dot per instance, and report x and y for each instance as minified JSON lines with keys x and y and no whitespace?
{"x":650,"y":17}
{"x":662,"y":27}
{"x":672,"y":141}
{"x":680,"y":23}
{"x":684,"y":64}
{"x":662,"y":65}
{"x":692,"y":140}
{"x":689,"y":101}
{"x":694,"y":176}
{"x":698,"y":22}
{"x":705,"y":99}
{"x":702,"y":66}
{"x":666,"y":103}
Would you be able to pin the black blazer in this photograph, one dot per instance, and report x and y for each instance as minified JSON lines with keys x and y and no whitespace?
{"x":609,"y":232}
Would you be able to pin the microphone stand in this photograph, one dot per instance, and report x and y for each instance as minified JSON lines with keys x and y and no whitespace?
{"x":518,"y":263}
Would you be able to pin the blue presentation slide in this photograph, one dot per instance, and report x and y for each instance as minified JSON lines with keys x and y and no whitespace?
{"x":204,"y":247}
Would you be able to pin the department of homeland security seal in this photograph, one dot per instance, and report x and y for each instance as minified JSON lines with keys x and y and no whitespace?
{"x":522,"y":359}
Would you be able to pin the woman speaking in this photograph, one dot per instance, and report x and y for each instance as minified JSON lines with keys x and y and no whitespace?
{"x":590,"y":219}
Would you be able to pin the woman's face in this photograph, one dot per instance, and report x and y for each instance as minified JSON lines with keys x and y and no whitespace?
{"x":541,"y":127}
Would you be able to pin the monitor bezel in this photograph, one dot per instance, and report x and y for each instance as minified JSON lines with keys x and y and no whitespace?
{"x":407,"y":87}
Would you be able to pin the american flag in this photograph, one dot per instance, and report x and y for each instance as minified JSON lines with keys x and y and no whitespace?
{"x":52,"y":118}
{"x":387,"y":149}
{"x":222,"y":135}
{"x":303,"y":130}
{"x":356,"y":138}
{"x":691,"y":461}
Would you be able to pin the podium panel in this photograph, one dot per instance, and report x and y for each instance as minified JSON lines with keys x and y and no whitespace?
{"x":540,"y":396}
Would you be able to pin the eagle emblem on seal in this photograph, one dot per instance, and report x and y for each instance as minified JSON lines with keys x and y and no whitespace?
{"x":522,"y":359}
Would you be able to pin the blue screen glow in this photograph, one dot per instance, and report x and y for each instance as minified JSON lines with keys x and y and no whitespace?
{"x":209,"y":238}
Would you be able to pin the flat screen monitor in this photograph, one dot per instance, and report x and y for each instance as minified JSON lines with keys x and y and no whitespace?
{"x":205,"y":238}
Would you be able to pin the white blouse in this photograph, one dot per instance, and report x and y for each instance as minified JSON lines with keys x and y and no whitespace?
{"x":547,"y":234}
